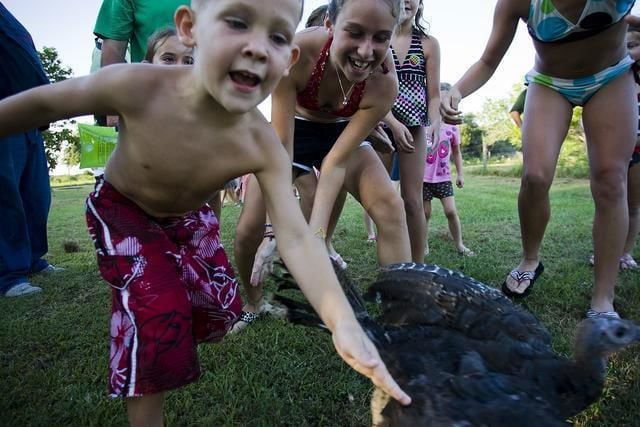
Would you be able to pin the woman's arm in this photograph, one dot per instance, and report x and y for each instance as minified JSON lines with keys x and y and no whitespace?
{"x":505,"y":22}
{"x":381,"y":92}
{"x":307,"y":259}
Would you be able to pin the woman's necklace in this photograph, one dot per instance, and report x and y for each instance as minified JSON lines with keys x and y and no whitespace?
{"x":345,"y":96}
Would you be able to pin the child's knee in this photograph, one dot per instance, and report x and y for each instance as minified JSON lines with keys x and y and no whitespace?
{"x":451,"y":213}
{"x":388,"y":211}
{"x":536,"y":182}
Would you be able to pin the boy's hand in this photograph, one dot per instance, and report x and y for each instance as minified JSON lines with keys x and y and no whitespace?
{"x":358,"y":351}
{"x":266,"y":253}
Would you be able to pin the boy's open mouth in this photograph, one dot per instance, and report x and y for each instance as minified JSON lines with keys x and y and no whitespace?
{"x":245,"y":78}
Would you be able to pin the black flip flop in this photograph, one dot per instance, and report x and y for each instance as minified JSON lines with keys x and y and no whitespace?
{"x":521,"y":276}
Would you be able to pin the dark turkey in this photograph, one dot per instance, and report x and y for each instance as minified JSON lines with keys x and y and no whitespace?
{"x":467,"y":355}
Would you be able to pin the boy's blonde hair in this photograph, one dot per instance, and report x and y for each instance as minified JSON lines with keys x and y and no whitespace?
{"x":196,"y":4}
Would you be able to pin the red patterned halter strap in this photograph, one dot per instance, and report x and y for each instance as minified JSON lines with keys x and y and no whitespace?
{"x":308,"y":97}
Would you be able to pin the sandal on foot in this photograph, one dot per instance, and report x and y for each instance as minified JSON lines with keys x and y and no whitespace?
{"x":337,"y":259}
{"x":521,"y":276}
{"x":372,"y":239}
{"x":628,"y":263}
{"x":592,"y":314}
{"x":246,"y":318}
{"x":466,"y":252}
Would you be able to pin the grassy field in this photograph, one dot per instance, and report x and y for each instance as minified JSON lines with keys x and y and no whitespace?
{"x":54,"y":348}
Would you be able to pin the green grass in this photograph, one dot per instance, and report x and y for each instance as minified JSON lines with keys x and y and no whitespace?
{"x":72,"y":180}
{"x":54,"y":348}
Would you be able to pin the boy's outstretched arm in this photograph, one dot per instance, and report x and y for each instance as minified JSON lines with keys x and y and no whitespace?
{"x":308,"y":261}
{"x":93,"y":94}
{"x":505,"y":22}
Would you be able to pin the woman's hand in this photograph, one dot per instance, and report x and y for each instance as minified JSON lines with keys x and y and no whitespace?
{"x":380,"y":140}
{"x":449,"y":106}
{"x":262,"y":263}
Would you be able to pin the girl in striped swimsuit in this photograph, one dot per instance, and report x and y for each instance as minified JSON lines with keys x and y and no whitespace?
{"x":415,"y":116}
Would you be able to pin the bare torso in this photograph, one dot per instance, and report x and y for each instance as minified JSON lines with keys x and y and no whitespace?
{"x":582,"y":57}
{"x":169,"y":160}
{"x":577,"y":58}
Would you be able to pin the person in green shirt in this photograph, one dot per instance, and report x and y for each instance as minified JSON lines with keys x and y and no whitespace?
{"x":122,"y":23}
{"x":518,"y":109}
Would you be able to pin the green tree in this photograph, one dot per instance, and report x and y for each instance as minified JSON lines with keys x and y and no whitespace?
{"x":573,"y":160}
{"x":58,"y":136}
{"x":494,"y":119}
{"x":71,"y":154}
{"x":497,"y":124}
{"x":471,"y":136}
{"x":53,"y":65}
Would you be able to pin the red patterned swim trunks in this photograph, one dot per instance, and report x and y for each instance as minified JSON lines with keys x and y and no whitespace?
{"x":173,"y":287}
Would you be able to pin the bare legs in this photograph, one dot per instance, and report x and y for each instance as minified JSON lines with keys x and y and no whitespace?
{"x":146,"y":411}
{"x":450,"y":211}
{"x":368,"y":226}
{"x":610,"y":134}
{"x":368,"y":181}
{"x":249,"y":234}
{"x":610,"y":137}
{"x":546,"y":124}
{"x":453,"y":220}
{"x":633,"y":203}
{"x":411,"y":175}
{"x":306,"y":185}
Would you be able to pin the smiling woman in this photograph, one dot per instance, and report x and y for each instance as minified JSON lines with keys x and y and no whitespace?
{"x":324,"y":111}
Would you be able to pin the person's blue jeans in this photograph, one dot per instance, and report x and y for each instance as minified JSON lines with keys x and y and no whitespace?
{"x":25,"y":198}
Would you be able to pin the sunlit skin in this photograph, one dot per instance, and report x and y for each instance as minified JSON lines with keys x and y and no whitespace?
{"x":361,"y":37}
{"x":633,"y":179}
{"x":548,"y":115}
{"x":412,"y":142}
{"x":186,"y":130}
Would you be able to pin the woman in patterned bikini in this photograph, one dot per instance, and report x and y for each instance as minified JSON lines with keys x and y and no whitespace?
{"x":576,"y":43}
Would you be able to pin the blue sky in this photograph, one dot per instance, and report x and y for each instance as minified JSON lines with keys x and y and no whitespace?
{"x":461,"y":26}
